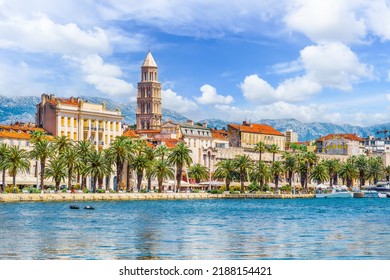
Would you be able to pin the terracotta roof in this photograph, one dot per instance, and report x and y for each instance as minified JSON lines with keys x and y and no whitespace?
{"x":17,"y":131}
{"x":170,"y":143}
{"x":149,"y":131}
{"x":68,"y":101}
{"x":257,"y":128}
{"x":130,"y":133}
{"x":349,"y":136}
{"x":217,"y":135}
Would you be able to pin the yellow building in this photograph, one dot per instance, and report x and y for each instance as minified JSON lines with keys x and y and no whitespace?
{"x":248,"y":134}
{"x":79,"y":120}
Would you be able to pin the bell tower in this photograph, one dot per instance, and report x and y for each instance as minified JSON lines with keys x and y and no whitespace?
{"x":149,"y":116}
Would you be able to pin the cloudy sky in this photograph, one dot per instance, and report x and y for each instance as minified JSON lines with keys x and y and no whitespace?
{"x":312,"y":60}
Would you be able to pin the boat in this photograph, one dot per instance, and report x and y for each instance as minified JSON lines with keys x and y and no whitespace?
{"x":379,"y":187}
{"x":334,"y":192}
{"x":373,"y":194}
{"x":74,"y":207}
{"x":89,"y":207}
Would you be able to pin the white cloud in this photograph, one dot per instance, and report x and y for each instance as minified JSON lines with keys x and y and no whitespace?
{"x":388,"y":76}
{"x":42,"y":35}
{"x":334,"y":65}
{"x":171,"y":100}
{"x":210,"y":96}
{"x":326,"y":21}
{"x":105,"y":77}
{"x":378,"y":18}
{"x":331,"y":65}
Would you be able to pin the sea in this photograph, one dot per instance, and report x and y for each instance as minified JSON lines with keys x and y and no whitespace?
{"x":214,"y":229}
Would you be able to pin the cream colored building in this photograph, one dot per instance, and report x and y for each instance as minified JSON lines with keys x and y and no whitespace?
{"x":248,"y":134}
{"x":79,"y":120}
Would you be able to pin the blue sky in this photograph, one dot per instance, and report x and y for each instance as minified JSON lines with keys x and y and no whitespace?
{"x":312,"y":60}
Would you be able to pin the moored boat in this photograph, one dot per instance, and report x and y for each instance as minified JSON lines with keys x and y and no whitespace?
{"x":334,"y":192}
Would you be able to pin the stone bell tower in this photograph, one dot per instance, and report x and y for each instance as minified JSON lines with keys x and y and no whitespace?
{"x":149,"y":116}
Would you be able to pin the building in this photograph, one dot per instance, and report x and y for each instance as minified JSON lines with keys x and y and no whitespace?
{"x":79,"y":120}
{"x":248,"y":134}
{"x":340,"y":144}
{"x":377,"y":145}
{"x":149,"y":110}
{"x":19,"y":134}
{"x":291,"y":136}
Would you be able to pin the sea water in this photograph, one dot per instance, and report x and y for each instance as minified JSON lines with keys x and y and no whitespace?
{"x":314,"y":229}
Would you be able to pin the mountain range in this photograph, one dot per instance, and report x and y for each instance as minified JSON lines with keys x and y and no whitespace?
{"x":23,"y":108}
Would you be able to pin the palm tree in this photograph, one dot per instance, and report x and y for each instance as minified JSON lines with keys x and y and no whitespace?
{"x":306,"y":161}
{"x":72,"y":159}
{"x":180,"y":156}
{"x":243,"y":164}
{"x":348,"y":172}
{"x":139,"y":164}
{"x":319,"y":173}
{"x":162,"y":170}
{"x":161,"y":151}
{"x":149,"y":154}
{"x":61,"y":143}
{"x":84,"y":148}
{"x":4,"y":150}
{"x":261,"y":148}
{"x":290,"y":165}
{"x":17,"y":160}
{"x":225,"y":170}
{"x":56,"y":170}
{"x":260,"y":173}
{"x":42,"y":151}
{"x":118,"y":150}
{"x":276,"y":170}
{"x":333,"y":166}
{"x":273,"y":149}
{"x":97,"y":166}
{"x":375,"y":170}
{"x":361,"y":164}
{"x":198,"y":172}
{"x":37,"y":136}
{"x":387,"y":173}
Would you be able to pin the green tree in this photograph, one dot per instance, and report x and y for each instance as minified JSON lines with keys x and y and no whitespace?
{"x":42,"y":151}
{"x":97,"y":166}
{"x":274,"y":149}
{"x":149,"y":154}
{"x":162,"y":170}
{"x":348,"y":172}
{"x":243,"y":164}
{"x":375,"y":169}
{"x":198,"y":172}
{"x":56,"y":170}
{"x":361,"y":163}
{"x":61,"y":143}
{"x":225,"y":170}
{"x":261,"y":173}
{"x":140,"y":163}
{"x":333,"y":167}
{"x":119,"y":151}
{"x":180,"y":156}
{"x":260,"y":147}
{"x":162,"y":151}
{"x":319,"y":173}
{"x":17,"y":160}
{"x":387,"y":173}
{"x":84,"y":149}
{"x":290,"y":166}
{"x":277,"y":170}
{"x":4,"y":150}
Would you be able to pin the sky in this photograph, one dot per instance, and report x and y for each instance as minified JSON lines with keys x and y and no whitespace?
{"x":312,"y":60}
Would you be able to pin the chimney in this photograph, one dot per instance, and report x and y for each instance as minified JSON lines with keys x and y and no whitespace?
{"x":204,"y":124}
{"x":52,"y":97}
{"x":245,"y":123}
{"x":190,"y":122}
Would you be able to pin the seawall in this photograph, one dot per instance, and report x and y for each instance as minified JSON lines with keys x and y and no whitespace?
{"x":22,"y":197}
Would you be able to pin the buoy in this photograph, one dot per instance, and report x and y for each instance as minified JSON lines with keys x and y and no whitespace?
{"x":74,"y":207}
{"x":89,"y":207}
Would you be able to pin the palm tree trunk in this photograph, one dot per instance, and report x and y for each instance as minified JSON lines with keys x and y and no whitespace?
{"x":94,"y":184}
{"x":139,"y":181}
{"x":14,"y":180}
{"x":276,"y":178}
{"x":69,"y":178}
{"x":128,"y":176}
{"x":42,"y":174}
{"x":242,"y":179}
{"x":227,"y":182}
{"x":3,"y":181}
{"x":178,"y":177}
{"x":57,"y":185}
{"x":160,"y":185}
{"x":149,"y":183}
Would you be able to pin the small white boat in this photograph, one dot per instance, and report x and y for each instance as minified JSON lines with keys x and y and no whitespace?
{"x":373,"y":194}
{"x":334,"y":192}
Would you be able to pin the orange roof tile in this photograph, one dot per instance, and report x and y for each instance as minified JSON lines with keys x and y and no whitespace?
{"x":130,"y":133}
{"x":17,"y":131}
{"x":257,"y":128}
{"x":170,"y":143}
{"x":349,"y":136}
{"x":218,"y":135}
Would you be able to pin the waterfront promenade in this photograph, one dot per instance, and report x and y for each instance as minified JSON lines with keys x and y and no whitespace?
{"x":60,"y":197}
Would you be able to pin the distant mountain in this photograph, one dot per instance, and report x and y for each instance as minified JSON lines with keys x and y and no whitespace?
{"x":23,"y":108}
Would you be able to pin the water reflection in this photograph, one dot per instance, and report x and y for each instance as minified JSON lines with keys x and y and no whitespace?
{"x":205,"y":229}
